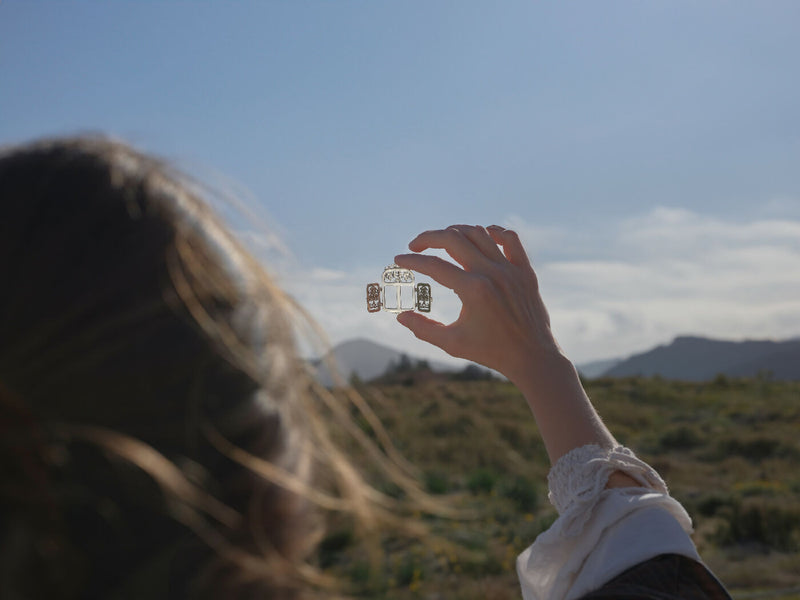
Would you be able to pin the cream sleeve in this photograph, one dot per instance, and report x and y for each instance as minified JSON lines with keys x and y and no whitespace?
{"x":601,"y":532}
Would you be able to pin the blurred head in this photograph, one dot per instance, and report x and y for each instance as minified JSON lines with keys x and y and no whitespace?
{"x":140,"y":349}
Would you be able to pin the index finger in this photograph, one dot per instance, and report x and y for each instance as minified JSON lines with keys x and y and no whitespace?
{"x":438,"y":269}
{"x":453,"y":241}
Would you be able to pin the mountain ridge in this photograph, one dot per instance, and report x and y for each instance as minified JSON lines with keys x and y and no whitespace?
{"x":686,"y":357}
{"x":696,"y":358}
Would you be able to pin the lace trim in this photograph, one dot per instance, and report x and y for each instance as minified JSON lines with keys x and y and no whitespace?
{"x":581,"y":475}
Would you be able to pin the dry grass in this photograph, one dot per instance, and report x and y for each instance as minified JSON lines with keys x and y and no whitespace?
{"x":728,"y":449}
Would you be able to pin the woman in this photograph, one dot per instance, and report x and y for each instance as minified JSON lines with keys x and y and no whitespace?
{"x":619,"y":533}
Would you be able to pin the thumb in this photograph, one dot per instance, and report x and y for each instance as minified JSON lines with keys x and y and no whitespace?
{"x":426,"y":329}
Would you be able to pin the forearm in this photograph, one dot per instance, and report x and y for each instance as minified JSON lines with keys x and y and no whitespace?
{"x":563,"y":411}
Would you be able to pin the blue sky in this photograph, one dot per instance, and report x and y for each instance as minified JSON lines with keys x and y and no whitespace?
{"x":647,"y":151}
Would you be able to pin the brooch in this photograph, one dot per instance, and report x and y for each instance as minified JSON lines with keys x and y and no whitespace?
{"x":397,"y":292}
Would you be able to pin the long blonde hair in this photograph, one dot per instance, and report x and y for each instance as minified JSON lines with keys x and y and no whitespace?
{"x":159,"y":435}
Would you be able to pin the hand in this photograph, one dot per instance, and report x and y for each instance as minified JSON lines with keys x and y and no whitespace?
{"x":503,"y":323}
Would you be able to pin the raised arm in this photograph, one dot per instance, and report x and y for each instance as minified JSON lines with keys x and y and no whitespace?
{"x":614,"y":541}
{"x":504,"y":325}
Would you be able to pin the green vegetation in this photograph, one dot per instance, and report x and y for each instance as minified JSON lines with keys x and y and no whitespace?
{"x":729,"y":450}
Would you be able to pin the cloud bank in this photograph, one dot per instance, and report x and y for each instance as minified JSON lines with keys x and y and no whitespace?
{"x":671,"y":272}
{"x":611,"y":291}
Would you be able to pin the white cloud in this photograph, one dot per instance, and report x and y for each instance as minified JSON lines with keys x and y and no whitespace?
{"x":672,"y":272}
{"x":681,"y":233}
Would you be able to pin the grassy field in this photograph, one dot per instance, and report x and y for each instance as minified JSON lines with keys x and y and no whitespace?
{"x":728,"y":449}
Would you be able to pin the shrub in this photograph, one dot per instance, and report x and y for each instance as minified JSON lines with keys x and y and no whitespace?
{"x":482,"y":565}
{"x":473,"y":372}
{"x":755,"y":449}
{"x":408,"y":571}
{"x":760,"y":487}
{"x":709,"y":505}
{"x":481,"y":481}
{"x":445,"y":427}
{"x":523,"y":492}
{"x":436,"y":482}
{"x":768,"y":524}
{"x":679,"y":438}
{"x":360,"y":572}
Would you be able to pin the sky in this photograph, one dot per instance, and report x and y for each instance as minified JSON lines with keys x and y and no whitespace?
{"x":647,"y":152}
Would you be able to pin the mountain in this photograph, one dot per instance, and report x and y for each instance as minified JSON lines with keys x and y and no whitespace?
{"x":687,"y":358}
{"x":692,"y":358}
{"x":366,"y":359}
{"x":597,"y":368}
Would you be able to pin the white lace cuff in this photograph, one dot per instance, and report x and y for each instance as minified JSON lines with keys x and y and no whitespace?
{"x":580,"y":476}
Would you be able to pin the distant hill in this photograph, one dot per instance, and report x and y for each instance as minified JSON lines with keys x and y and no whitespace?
{"x":598,"y":367}
{"x":690,"y":358}
{"x":366,"y":359}
{"x":687,"y":358}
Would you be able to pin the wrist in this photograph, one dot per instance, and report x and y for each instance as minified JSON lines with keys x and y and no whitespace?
{"x":543,"y":368}
{"x":563,"y":411}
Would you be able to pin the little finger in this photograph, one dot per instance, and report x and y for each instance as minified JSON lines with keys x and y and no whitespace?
{"x":512,"y":246}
